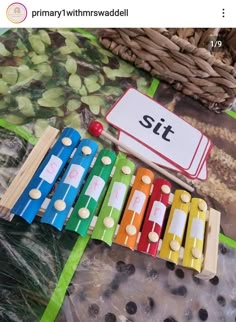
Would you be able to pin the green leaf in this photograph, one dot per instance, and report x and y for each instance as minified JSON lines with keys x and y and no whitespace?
{"x":24,"y":70}
{"x":142,"y":85}
{"x":91,"y":78}
{"x":105,"y":52}
{"x":83,"y":91}
{"x":20,"y":45}
{"x":59,"y":112}
{"x":3,"y":105}
{"x":9,"y":74}
{"x":72,"y":46}
{"x":105,"y":60}
{"x":93,"y":87}
{"x":45,"y":70}
{"x":55,"y":102}
{"x":37,"y":44}
{"x":45,"y":37}
{"x":3,"y":51}
{"x":104,"y":110}
{"x":65,"y":50}
{"x":111,"y":73}
{"x":95,"y":109}
{"x":71,"y":65}
{"x":3,"y":87}
{"x":125,"y":70}
{"x":101,"y":79}
{"x":75,"y":82}
{"x":112,"y":90}
{"x":73,"y":105}
{"x":73,"y":120}
{"x":91,"y":83}
{"x":25,"y":106}
{"x":40,"y":126}
{"x":26,"y":75}
{"x":14,"y":119}
{"x":53,"y":93}
{"x":68,"y":34}
{"x":18,"y":53}
{"x":39,"y":59}
{"x":94,"y":102}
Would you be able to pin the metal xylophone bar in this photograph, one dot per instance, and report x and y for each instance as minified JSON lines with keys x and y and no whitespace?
{"x":104,"y":227}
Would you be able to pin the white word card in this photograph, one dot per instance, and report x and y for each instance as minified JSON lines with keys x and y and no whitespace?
{"x":164,"y":138}
{"x":156,"y":128}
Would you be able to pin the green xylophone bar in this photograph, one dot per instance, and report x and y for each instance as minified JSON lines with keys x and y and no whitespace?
{"x":112,"y":206}
{"x":92,"y":192}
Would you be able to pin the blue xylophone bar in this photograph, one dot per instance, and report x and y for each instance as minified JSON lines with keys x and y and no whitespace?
{"x":70,"y":184}
{"x":30,"y":201}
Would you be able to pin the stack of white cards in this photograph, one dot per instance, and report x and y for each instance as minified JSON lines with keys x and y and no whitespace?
{"x":160,"y":135}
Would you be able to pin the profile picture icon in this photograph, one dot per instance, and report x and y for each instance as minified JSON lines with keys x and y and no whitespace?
{"x":16,"y":12}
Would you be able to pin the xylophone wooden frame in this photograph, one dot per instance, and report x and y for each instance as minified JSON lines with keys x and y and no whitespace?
{"x":26,"y":172}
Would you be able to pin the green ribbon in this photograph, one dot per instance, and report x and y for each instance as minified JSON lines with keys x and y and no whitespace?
{"x":58,"y":296}
{"x":153,"y":87}
{"x":86,"y":34}
{"x":227,"y":241}
{"x":231,"y":113}
{"x":19,"y":130}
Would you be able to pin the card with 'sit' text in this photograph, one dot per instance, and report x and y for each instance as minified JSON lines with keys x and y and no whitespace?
{"x":198,"y":167}
{"x":164,"y":138}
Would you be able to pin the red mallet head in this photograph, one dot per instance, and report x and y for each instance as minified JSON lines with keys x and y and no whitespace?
{"x":95,"y":128}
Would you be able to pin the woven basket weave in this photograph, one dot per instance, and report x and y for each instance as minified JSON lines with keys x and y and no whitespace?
{"x":182,"y":57}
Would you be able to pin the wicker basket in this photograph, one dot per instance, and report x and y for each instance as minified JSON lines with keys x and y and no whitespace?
{"x":186,"y":58}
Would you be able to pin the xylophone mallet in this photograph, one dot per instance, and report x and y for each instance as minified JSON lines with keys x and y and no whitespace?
{"x":96,"y":129}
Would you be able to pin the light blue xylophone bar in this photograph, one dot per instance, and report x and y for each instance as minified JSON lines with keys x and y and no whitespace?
{"x":70,"y":184}
{"x":44,"y":178}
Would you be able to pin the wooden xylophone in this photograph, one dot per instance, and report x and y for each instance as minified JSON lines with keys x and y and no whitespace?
{"x":98,"y":194}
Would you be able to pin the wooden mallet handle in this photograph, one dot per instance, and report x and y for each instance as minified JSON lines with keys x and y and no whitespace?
{"x":96,"y":129}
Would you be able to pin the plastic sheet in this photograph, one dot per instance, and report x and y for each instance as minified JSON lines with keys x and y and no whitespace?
{"x":115,"y":284}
